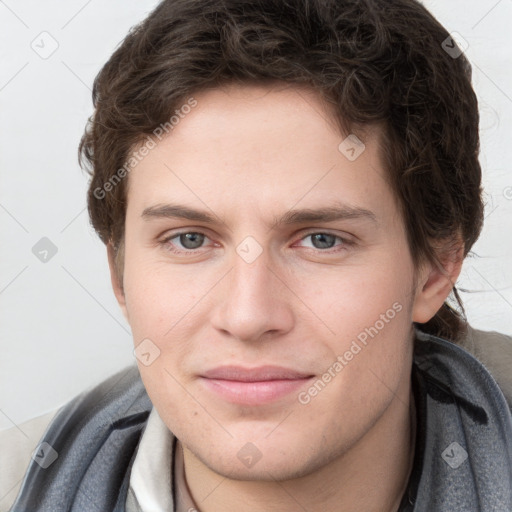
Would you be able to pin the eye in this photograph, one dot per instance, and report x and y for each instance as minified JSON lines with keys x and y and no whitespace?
{"x":322,"y":240}
{"x":190,"y":241}
{"x":187,"y":241}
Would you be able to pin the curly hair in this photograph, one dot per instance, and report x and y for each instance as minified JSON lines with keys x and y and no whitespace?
{"x":373,"y":61}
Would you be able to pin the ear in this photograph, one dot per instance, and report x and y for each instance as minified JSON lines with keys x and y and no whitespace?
{"x":435,"y":282}
{"x":116,"y":279}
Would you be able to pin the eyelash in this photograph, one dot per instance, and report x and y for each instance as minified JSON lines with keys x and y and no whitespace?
{"x":166,"y":242}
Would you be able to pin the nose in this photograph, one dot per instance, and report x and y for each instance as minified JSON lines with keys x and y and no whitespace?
{"x":254,"y":301}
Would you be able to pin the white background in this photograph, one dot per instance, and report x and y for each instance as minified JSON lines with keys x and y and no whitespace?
{"x":60,"y":327}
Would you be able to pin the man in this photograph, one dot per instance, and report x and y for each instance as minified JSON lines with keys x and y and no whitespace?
{"x":287,"y":192}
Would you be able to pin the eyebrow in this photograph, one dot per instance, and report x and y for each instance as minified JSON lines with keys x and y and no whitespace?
{"x":302,"y":216}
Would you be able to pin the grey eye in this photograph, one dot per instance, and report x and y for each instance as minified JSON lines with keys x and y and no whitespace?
{"x":323,"y":240}
{"x":191,"y":240}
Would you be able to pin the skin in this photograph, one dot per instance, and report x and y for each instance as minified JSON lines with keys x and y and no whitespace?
{"x":248,"y":155}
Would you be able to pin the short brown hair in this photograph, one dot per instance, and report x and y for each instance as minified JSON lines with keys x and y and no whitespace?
{"x":374,"y":61}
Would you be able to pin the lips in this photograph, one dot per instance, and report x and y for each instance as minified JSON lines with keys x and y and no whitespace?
{"x":253,"y":386}
{"x":261,"y":373}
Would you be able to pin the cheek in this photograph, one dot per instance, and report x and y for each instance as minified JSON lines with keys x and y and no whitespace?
{"x":370,"y":352}
{"x":156,"y":298}
{"x":165,"y":307}
{"x":369,"y":311}
{"x":353,"y":298}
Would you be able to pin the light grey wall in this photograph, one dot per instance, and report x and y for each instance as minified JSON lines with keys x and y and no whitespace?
{"x":60,"y":327}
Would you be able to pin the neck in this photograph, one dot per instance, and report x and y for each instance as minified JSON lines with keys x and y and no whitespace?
{"x":371,"y":476}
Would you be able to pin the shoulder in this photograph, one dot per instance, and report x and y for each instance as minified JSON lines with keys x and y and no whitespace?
{"x":16,"y":446}
{"x":494,"y":351}
{"x":93,"y":429}
{"x":101,"y":407}
{"x":463,"y":413}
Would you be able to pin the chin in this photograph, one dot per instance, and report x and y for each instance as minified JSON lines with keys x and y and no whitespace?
{"x":264,"y":459}
{"x":267,"y":469}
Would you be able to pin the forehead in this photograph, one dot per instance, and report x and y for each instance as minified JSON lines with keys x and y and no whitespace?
{"x":260,"y":147}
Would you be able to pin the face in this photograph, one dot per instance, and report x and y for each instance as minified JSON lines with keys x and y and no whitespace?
{"x":268,"y":283}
